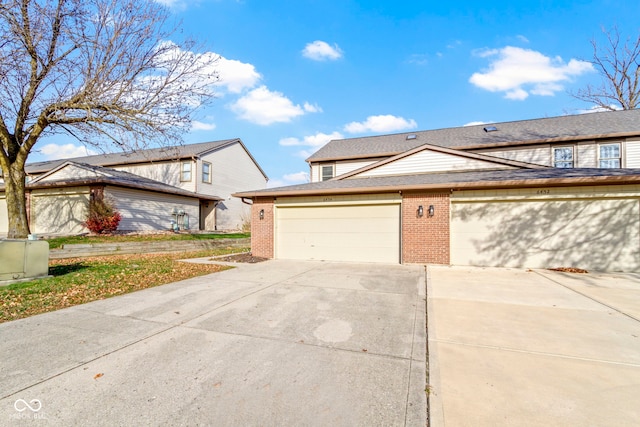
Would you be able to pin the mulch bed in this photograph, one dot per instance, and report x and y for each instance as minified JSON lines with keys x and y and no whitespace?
{"x":245,"y":257}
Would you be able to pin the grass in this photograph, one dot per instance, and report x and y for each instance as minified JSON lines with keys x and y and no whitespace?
{"x":57,"y":242}
{"x":80,"y":280}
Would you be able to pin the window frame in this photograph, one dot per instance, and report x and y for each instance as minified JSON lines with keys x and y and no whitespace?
{"x":208,"y":180}
{"x":183,"y":171}
{"x":618,"y":158}
{"x":563,"y":147}
{"x":322,"y":169}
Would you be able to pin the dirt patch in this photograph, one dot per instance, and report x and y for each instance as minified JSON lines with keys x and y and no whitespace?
{"x":569,"y":270}
{"x":245,"y":257}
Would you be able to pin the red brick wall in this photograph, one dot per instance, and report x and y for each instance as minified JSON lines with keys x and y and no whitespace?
{"x":262,"y":229}
{"x":425,"y":240}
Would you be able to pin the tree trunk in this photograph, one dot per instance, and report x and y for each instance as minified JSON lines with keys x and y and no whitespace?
{"x":14,"y":187}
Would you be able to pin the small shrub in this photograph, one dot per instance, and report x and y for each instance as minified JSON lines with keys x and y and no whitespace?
{"x":102,"y":217}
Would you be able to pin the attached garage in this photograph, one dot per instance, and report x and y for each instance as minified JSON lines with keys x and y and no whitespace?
{"x":59,"y":211}
{"x":595,"y":228}
{"x":339,"y":228}
{"x":4,"y":218}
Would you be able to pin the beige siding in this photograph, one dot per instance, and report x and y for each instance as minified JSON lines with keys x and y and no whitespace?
{"x":166,"y":172}
{"x":632,"y":151}
{"x":363,"y":231}
{"x":586,"y":155}
{"x":596,"y":228}
{"x":70,"y":172}
{"x":341,"y":167}
{"x":430,"y":161}
{"x":146,"y":210}
{"x":346,"y":167}
{"x":59,"y":211}
{"x":539,"y":155}
{"x":232,"y":171}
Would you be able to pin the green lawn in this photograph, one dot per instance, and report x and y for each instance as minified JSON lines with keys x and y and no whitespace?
{"x":80,"y":280}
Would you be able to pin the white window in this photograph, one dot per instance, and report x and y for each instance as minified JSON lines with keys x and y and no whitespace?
{"x":563,"y":157}
{"x":609,"y":155}
{"x":326,"y":172}
{"x":206,"y":172}
{"x":185,"y":171}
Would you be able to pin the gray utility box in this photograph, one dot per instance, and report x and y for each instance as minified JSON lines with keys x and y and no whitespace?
{"x":20,"y":259}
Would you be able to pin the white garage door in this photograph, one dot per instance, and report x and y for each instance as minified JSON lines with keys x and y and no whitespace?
{"x":591,"y":233}
{"x":356,"y":233}
{"x":59,"y":212}
{"x":4,"y":218}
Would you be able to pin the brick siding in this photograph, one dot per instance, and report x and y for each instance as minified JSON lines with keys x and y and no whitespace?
{"x":262,"y":229}
{"x":425,"y":240}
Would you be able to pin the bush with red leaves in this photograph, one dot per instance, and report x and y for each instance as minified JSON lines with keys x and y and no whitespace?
{"x":102,"y":217}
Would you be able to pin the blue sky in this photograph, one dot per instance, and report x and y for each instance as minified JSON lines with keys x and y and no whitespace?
{"x":295,"y":73}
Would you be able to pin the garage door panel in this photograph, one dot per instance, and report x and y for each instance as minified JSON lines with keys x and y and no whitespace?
{"x":597,"y":234}
{"x":361,"y":233}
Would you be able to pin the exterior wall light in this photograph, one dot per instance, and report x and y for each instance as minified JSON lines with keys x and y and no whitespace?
{"x":420,"y":211}
{"x":261,"y":214}
{"x":431,"y":210}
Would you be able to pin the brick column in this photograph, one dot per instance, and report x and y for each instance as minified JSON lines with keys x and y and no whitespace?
{"x":425,"y":240}
{"x":262,"y":229}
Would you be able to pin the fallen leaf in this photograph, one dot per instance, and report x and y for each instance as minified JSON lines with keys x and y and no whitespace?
{"x":98,"y":376}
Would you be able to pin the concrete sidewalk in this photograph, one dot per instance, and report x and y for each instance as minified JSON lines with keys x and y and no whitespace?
{"x":532,"y":348}
{"x":270,"y":344}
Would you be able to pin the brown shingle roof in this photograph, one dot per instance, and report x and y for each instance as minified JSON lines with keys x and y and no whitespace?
{"x":177,"y":152}
{"x":457,"y":180}
{"x":563,"y":128}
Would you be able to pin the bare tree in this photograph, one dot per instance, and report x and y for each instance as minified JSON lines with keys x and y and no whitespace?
{"x":618,"y":63}
{"x":102,"y":71}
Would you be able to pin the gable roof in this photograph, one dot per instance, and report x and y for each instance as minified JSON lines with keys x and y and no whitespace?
{"x":451,"y":181}
{"x":496,"y":162}
{"x":176,"y":152}
{"x":101,"y":175}
{"x":578,"y":127}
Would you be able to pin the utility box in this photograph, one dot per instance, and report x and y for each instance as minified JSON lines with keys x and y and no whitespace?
{"x":23,"y":259}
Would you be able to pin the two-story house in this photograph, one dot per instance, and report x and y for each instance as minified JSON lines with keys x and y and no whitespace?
{"x":552,"y":192}
{"x":182,"y":187}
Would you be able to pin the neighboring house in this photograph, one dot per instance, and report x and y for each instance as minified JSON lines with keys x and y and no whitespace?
{"x":190,"y":185}
{"x":479,"y":195}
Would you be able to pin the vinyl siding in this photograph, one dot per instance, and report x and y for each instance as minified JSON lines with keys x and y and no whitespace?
{"x":166,"y":172}
{"x":632,"y":151}
{"x":4,"y":217}
{"x":70,"y":172}
{"x":586,"y":155}
{"x":232,"y":170}
{"x":430,"y":161}
{"x":539,"y":155}
{"x":59,"y":210}
{"x":147,"y":210}
{"x":340,"y":168}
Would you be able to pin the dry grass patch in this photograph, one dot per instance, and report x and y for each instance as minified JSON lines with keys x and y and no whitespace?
{"x":80,"y":280}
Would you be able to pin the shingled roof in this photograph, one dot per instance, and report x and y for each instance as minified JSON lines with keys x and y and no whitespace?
{"x":176,"y":152}
{"x":482,"y":179}
{"x":553,"y":129}
{"x":114,"y":177}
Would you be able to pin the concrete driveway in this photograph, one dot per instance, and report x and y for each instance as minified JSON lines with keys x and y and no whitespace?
{"x":533,"y":348}
{"x":275,"y":343}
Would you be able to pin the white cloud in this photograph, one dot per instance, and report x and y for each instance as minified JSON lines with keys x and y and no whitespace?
{"x":237,"y":76}
{"x":309,"y":108}
{"x":321,"y":51}
{"x":196,"y":125}
{"x":599,"y":109}
{"x":264,"y":107}
{"x":522,"y":72}
{"x":476,"y":123}
{"x":382,"y":123}
{"x":65,"y":151}
{"x":522,"y":38}
{"x":289,"y":179}
{"x":317,"y":140}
